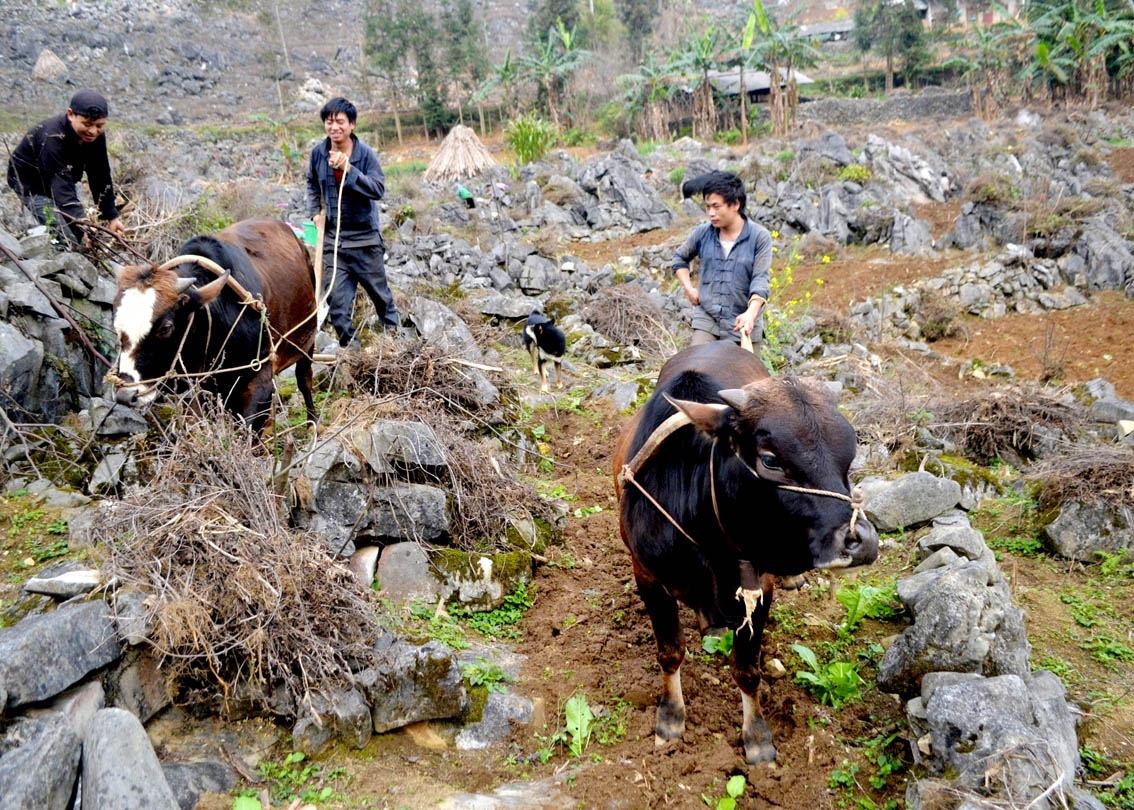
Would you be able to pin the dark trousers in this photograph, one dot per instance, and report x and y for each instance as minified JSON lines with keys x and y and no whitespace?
{"x":361,"y":265}
{"x":45,"y":213}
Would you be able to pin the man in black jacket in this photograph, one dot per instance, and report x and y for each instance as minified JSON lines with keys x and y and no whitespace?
{"x":52,"y":158}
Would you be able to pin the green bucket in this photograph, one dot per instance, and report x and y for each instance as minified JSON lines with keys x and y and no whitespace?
{"x":310,"y":233}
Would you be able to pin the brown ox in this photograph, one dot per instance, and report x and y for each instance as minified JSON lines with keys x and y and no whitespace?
{"x":200,"y":316}
{"x":748,"y":479}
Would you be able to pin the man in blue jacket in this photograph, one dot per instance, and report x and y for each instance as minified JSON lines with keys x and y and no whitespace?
{"x":736,"y":262}
{"x":53,"y":156}
{"x":343,"y":160}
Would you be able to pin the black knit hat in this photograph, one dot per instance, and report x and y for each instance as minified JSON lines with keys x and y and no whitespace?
{"x":89,"y":104}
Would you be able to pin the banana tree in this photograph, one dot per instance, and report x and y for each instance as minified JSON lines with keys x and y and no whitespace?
{"x":647,"y":91}
{"x":703,"y":55}
{"x":783,"y":50}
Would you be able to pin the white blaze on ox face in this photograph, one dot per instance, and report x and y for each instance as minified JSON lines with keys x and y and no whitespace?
{"x":132,"y":321}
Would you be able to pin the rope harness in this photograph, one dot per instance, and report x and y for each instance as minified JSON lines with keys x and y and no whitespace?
{"x":750,"y":592}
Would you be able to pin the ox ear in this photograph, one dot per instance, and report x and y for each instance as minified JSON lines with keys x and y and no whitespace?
{"x":708,"y":417}
{"x":204,"y":296}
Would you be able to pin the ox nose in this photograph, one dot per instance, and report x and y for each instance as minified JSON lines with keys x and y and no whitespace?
{"x":862,"y":546}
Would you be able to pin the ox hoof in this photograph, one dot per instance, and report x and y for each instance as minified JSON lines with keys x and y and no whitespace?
{"x":758,"y":746}
{"x":670,"y":727}
{"x":759,"y":752}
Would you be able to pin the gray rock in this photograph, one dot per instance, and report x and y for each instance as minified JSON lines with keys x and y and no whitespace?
{"x":617,"y":181}
{"x":137,"y":684}
{"x":539,"y":274}
{"x":64,"y":580}
{"x":188,"y":780}
{"x":501,"y":710}
{"x":400,"y":512}
{"x":79,"y":705}
{"x":1082,"y":530}
{"x":404,"y":574}
{"x":1005,"y":736}
{"x":11,"y":244}
{"x":113,"y":419}
{"x":508,"y":306}
{"x":107,"y":476}
{"x":911,"y":499}
{"x":1111,"y":409}
{"x":363,"y":565}
{"x":40,"y":774}
{"x":1109,"y":261}
{"x":830,"y":145}
{"x":397,"y":446}
{"x":76,"y":638}
{"x":957,"y":534}
{"x":410,"y":684}
{"x":912,"y":177}
{"x":20,"y":361}
{"x":621,"y":395}
{"x":910,"y":236}
{"x":441,"y":327}
{"x":341,"y":714}
{"x":546,"y":794}
{"x":120,"y":769}
{"x":964,"y":621}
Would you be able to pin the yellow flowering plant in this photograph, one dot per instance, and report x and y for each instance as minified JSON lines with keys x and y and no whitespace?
{"x":781,"y":317}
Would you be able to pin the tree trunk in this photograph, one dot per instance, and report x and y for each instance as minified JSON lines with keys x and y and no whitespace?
{"x":548,"y":86}
{"x":396,"y":97}
{"x":480,"y":114}
{"x":743,"y":109}
{"x":889,"y":70}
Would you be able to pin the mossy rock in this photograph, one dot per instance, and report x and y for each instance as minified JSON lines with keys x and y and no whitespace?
{"x":481,"y":581}
{"x":531,"y":535}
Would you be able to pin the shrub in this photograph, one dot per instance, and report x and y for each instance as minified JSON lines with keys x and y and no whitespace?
{"x":529,"y":136}
{"x":856,"y":173}
{"x":677,"y":175}
{"x":728,"y":136}
{"x":578,"y":137}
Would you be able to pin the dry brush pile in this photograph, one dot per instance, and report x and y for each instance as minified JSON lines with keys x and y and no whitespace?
{"x":241,"y":605}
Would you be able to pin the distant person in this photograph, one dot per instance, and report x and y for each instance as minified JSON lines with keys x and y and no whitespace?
{"x":343,"y":158}
{"x":736,"y":262}
{"x":52,"y":158}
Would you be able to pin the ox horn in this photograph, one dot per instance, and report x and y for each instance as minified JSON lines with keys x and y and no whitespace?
{"x":183,"y":284}
{"x":737,"y":398}
{"x":188,"y":258}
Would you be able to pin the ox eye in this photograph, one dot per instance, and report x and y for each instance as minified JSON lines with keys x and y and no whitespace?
{"x":770,"y":461}
{"x":165,"y":329}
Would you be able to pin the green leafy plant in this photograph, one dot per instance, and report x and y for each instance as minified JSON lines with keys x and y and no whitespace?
{"x":501,"y":622}
{"x":610,"y":726}
{"x":867,"y":601}
{"x":579,"y":719}
{"x":529,"y":136}
{"x":835,"y":684}
{"x":583,"y":511}
{"x":296,"y":778}
{"x":734,"y":789}
{"x":486,"y":674}
{"x":718,"y":645}
{"x":677,"y":175}
{"x":246,"y":803}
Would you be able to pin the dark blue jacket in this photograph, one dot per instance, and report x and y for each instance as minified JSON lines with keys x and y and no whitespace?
{"x":727,"y":285}
{"x":365,"y":185}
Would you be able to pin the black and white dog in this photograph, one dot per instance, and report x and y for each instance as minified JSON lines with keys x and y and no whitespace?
{"x":547,"y":344}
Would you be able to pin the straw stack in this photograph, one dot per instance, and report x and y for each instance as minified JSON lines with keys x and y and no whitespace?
{"x":461,"y":155}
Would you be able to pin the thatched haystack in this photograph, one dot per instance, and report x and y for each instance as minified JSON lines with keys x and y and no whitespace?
{"x":461,"y":155}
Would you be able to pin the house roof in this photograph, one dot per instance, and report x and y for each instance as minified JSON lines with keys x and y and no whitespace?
{"x":727,"y":82}
{"x":834,"y":27}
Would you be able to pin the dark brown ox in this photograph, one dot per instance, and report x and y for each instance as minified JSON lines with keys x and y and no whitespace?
{"x":199,"y":316}
{"x":724,"y":473}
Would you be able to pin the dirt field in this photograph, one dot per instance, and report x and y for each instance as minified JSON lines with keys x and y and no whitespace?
{"x":588,"y":633}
